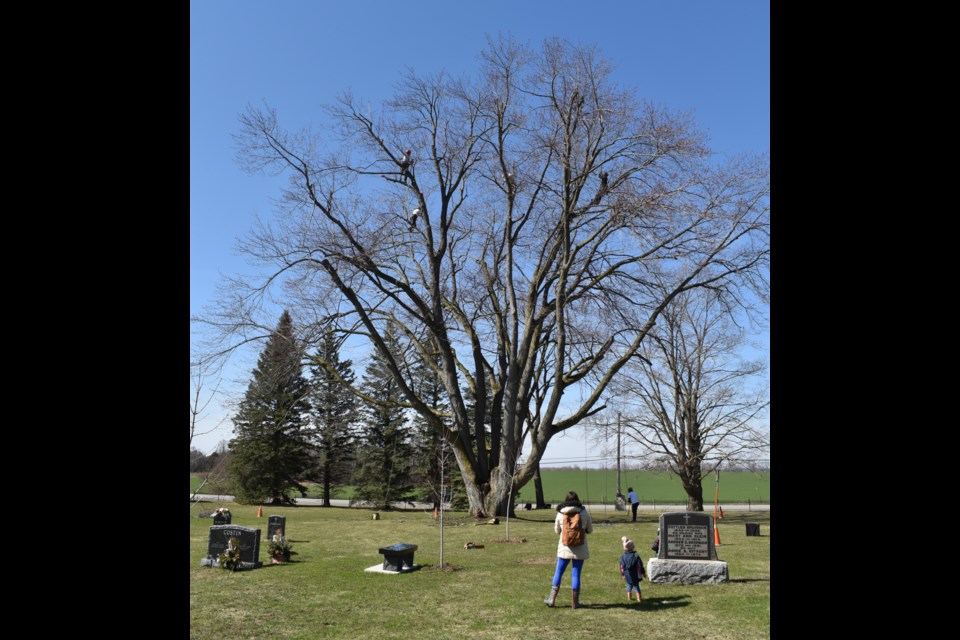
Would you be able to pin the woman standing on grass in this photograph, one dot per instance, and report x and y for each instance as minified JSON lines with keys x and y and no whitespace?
{"x":567,"y":513}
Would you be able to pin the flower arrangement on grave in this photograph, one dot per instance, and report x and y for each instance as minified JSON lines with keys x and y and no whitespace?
{"x":230,"y":558}
{"x":280,"y":547}
{"x":223,"y":511}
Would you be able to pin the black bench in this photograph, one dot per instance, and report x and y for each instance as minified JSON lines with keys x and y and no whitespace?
{"x":398,"y":556}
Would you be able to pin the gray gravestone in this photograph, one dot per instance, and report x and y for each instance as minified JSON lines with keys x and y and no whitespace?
{"x":686,"y":536}
{"x":276,"y":524}
{"x":248,"y":540}
{"x":687,"y":554}
{"x":222,"y":518}
{"x":398,"y":557}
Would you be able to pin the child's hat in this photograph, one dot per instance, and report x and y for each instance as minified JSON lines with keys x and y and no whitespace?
{"x":627,"y":543}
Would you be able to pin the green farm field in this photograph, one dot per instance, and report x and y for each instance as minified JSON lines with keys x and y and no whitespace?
{"x":600,"y":487}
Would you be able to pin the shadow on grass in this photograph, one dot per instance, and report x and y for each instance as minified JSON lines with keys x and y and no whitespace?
{"x":666,"y":602}
{"x":648,"y":604}
{"x":749,"y":580}
{"x":447,"y":567}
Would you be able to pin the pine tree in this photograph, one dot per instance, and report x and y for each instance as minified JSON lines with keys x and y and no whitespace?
{"x":271,"y":450}
{"x":334,"y":412}
{"x":429,"y":452}
{"x":385,"y":457}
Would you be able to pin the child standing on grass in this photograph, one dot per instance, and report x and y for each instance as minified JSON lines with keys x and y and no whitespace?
{"x":631,"y":568}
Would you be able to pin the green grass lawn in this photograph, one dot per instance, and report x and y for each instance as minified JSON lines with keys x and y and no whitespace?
{"x":600,"y":487}
{"x":496,"y":592}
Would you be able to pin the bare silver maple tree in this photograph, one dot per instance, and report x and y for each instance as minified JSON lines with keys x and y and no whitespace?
{"x":524,"y":228}
{"x":690,"y":398}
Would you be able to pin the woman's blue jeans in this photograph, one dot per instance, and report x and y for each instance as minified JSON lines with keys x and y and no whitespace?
{"x":562,"y":566}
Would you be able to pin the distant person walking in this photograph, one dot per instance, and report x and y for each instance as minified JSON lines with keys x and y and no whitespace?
{"x":634,"y":501}
{"x":572,"y":524}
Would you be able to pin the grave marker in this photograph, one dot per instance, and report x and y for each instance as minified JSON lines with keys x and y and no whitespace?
{"x":687,"y":536}
{"x":687,"y":553}
{"x":248,"y":540}
{"x":276,"y":524}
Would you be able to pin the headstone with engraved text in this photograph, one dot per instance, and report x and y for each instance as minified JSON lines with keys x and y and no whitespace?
{"x":276,"y":524}
{"x":687,"y":536}
{"x":248,"y":539}
{"x":687,"y":552}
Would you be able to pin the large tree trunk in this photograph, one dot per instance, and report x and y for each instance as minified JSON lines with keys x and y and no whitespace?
{"x":692,"y":484}
{"x":326,"y":483}
{"x":538,"y":488}
{"x":475,"y":486}
{"x":490,"y":496}
{"x":499,"y":500}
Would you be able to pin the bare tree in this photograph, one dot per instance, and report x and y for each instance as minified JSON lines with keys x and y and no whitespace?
{"x":444,"y":488}
{"x":200,"y":398}
{"x":698,"y":404}
{"x":524,"y":230}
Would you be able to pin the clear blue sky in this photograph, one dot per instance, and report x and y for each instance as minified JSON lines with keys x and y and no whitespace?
{"x":710,"y":58}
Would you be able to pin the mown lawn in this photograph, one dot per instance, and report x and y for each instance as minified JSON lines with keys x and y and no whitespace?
{"x":495,"y":592}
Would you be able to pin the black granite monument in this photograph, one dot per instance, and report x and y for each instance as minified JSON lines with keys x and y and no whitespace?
{"x":248,"y":540}
{"x":398,"y":557}
{"x":276,"y":524}
{"x":686,"y":536}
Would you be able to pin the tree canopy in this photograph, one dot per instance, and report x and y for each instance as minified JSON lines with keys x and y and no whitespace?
{"x":692,"y":400}
{"x":524,"y":229}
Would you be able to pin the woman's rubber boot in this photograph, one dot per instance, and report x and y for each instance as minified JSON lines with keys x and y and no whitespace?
{"x":576,"y":598}
{"x":553,"y":596}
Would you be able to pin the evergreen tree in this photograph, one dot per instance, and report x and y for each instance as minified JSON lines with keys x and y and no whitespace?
{"x":271,"y":450}
{"x":334,"y":412}
{"x":385,"y":457}
{"x":429,"y":452}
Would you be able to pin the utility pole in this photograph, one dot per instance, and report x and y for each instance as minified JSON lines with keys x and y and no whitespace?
{"x":621,"y":502}
{"x":619,"y":493}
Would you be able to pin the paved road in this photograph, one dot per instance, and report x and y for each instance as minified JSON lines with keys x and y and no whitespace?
{"x":594,"y":508}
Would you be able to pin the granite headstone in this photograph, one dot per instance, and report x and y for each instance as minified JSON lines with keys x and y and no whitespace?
{"x":686,"y":536}
{"x":687,"y":553}
{"x":276,"y":524}
{"x":398,"y":557}
{"x":248,"y":540}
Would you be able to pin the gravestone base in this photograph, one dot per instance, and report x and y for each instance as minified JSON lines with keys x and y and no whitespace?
{"x":241,"y":566}
{"x":687,"y":571}
{"x":378,"y":568}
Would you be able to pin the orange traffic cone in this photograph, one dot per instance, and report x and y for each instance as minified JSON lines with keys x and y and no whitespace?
{"x":260,"y":512}
{"x":716,"y":535}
